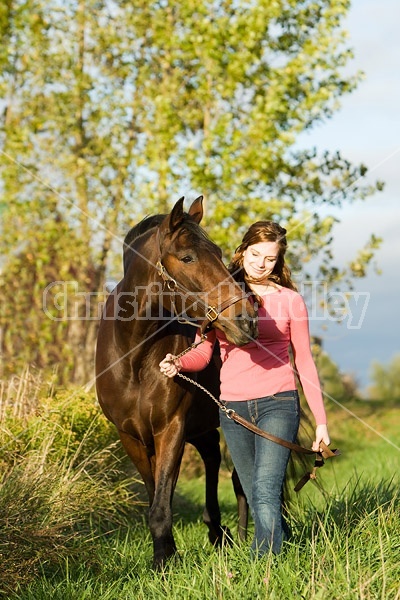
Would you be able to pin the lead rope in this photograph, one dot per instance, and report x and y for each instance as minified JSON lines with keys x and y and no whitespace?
{"x":320,"y":457}
{"x":203,"y":337}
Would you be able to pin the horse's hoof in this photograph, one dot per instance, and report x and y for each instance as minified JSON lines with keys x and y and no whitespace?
{"x":220,"y":537}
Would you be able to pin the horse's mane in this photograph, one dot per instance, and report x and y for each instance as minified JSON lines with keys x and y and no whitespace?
{"x":136,"y":231}
{"x":200,"y":237}
{"x":143,"y":226}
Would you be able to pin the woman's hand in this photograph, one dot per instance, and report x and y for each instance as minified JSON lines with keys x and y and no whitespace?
{"x":170,"y":365}
{"x":321,"y":435}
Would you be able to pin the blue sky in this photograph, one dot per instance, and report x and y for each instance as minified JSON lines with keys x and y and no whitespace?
{"x":367,"y":129}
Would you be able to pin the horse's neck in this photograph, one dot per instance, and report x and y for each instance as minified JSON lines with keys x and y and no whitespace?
{"x":138,"y":307}
{"x":134,"y":332}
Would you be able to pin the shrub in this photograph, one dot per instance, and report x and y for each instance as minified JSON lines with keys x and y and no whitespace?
{"x":63,"y":480}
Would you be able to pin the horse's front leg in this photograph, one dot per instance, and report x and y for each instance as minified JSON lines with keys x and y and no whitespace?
{"x":209,"y":450}
{"x":169,"y":447}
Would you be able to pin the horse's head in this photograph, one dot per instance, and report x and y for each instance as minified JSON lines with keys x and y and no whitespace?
{"x":196,"y":282}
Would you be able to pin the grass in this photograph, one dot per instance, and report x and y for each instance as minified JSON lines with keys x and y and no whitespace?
{"x":73,"y":520}
{"x":356,"y":556}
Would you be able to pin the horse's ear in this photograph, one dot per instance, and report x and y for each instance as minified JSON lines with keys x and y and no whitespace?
{"x":176,"y":216}
{"x":196,"y":209}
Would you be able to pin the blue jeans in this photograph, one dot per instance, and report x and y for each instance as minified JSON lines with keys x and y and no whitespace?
{"x":261,"y":464}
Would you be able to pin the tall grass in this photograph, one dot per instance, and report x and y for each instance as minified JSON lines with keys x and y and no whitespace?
{"x":62,"y":478}
{"x":327,"y":558}
{"x":73,"y":520}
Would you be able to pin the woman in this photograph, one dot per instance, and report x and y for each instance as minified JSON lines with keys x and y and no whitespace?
{"x":258,"y":380}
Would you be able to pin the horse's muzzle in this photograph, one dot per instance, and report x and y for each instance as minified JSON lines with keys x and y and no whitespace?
{"x":240,"y":328}
{"x":249,"y":327}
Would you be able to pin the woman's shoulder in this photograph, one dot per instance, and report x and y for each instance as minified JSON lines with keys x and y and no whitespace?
{"x":289,"y":291}
{"x":296,"y":305}
{"x":292,"y":294}
{"x":292,"y":298}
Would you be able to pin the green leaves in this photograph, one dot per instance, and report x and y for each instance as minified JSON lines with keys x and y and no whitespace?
{"x":113,"y":110}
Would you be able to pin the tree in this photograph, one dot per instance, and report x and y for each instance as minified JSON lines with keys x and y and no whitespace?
{"x":385,"y":381}
{"x":113,"y":109}
{"x":335,"y":385}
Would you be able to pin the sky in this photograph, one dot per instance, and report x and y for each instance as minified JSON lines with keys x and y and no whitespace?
{"x":367,"y":130}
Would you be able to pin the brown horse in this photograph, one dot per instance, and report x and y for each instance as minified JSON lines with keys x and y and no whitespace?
{"x":173,"y":273}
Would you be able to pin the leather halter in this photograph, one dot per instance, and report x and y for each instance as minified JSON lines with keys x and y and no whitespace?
{"x":211,"y":312}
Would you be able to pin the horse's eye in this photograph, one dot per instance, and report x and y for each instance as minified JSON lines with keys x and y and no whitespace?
{"x":187,"y":259}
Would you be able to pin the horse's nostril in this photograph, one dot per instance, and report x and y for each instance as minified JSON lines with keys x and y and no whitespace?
{"x":249,"y":325}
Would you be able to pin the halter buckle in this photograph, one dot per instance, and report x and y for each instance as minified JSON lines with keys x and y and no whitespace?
{"x":160,"y":268}
{"x":212,"y":313}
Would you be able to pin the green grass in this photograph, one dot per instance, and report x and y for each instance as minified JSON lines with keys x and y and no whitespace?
{"x":348,"y":552}
{"x":73,"y":523}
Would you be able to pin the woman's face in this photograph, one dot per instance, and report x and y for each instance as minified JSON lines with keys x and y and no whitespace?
{"x":259,"y":259}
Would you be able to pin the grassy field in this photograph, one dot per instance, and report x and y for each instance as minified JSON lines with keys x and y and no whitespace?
{"x":73,"y":518}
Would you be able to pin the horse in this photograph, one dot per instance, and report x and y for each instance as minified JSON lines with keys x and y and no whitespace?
{"x":174,"y":278}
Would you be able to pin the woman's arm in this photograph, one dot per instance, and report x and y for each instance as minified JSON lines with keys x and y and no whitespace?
{"x":195,"y":360}
{"x":306,"y":370}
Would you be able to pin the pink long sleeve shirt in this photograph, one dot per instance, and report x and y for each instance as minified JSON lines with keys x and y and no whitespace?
{"x":263,"y":367}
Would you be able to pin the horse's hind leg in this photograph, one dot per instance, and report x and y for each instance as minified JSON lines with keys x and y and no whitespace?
{"x":209,"y":450}
{"x":242,"y":506}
